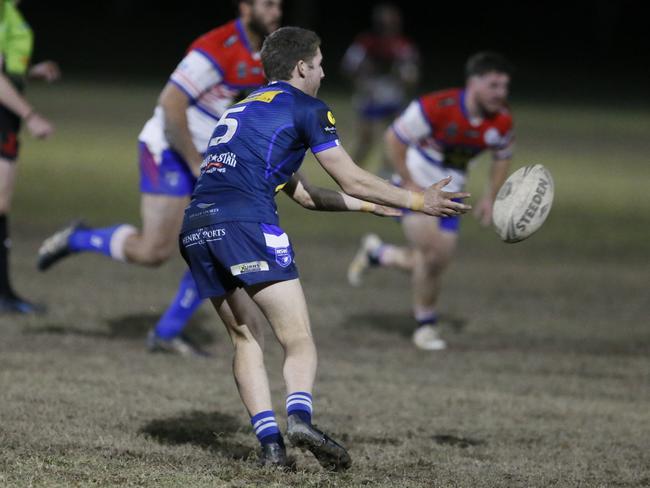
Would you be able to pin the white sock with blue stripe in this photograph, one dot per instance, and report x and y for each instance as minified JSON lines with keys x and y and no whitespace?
{"x":266,"y":427}
{"x":299,"y":403}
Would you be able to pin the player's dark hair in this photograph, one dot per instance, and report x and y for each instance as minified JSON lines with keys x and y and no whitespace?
{"x":283,"y":49}
{"x":486,"y":62}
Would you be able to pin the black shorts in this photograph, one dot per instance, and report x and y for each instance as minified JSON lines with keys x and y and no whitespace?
{"x":9,"y":128}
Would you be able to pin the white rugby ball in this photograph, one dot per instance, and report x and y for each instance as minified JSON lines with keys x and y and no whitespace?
{"x":523,"y":203}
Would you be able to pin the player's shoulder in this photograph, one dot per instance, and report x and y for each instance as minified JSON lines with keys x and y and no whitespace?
{"x":316,"y":107}
{"x":307,"y":107}
{"x":219,"y":41}
{"x":441,"y":99}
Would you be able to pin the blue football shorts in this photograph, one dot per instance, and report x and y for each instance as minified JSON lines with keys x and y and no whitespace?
{"x":171,"y":177}
{"x":230,"y":255}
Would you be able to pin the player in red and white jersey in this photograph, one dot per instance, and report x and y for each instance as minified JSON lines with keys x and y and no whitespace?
{"x":216,"y":69}
{"x":384,"y":67}
{"x":219,"y":67}
{"x":437,"y":136}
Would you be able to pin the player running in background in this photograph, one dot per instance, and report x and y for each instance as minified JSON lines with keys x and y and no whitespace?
{"x":16,"y":42}
{"x":218,"y":68}
{"x":236,"y":250}
{"x":437,"y":135}
{"x":384,"y":67}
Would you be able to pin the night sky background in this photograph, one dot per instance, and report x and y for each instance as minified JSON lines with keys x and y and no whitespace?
{"x":598,"y":49}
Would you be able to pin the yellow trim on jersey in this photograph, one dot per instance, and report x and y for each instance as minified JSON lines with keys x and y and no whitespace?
{"x":266,"y":97}
{"x":280,"y":187}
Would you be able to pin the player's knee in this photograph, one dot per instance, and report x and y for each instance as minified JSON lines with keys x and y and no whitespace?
{"x":243,"y":336}
{"x":435,"y":261}
{"x":302,"y":341}
{"x":155,"y":255}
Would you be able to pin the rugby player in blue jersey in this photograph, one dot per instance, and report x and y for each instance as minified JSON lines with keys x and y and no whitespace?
{"x":240,"y":257}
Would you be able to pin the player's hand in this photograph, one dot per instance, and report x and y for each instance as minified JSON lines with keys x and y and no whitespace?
{"x":483,"y":211}
{"x":38,"y":126}
{"x":46,"y":70}
{"x":440,"y":203}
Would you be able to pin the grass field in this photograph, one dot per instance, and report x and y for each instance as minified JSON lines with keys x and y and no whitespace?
{"x":546,"y":381}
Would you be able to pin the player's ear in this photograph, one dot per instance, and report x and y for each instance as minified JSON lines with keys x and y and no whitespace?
{"x":302,"y":68}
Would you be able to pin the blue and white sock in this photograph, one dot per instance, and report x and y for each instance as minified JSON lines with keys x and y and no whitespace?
{"x":375,"y":255}
{"x":108,"y":241}
{"x":179,"y":312}
{"x":266,"y":427}
{"x":300,"y":403}
{"x":425,"y":316}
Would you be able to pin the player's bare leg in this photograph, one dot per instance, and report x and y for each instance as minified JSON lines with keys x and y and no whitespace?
{"x":433,"y":251}
{"x":373,"y":251}
{"x":283,"y":304}
{"x":161,"y":222}
{"x":245,"y":324}
{"x":156,"y":243}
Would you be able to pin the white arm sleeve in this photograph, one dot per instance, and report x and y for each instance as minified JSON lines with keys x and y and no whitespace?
{"x":412,"y":126}
{"x":196,"y":73}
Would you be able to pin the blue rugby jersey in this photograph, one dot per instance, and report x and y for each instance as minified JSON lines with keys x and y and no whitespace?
{"x":255,"y":148}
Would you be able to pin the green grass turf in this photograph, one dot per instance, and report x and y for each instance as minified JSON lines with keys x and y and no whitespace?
{"x":546,"y":381}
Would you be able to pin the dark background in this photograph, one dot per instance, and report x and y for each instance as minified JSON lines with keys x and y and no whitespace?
{"x":591,"y":49}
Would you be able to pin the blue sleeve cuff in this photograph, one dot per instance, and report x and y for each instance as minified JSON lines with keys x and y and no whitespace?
{"x":325,"y":145}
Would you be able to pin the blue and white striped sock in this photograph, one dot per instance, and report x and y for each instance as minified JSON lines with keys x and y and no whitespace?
{"x":299,"y":403}
{"x":266,"y":427}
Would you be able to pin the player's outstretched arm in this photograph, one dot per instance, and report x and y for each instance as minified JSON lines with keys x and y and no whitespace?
{"x":363,"y":185}
{"x":323,"y":199}
{"x":174,"y":104}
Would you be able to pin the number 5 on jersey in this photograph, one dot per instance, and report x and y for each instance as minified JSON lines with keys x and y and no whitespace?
{"x":231,"y":126}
